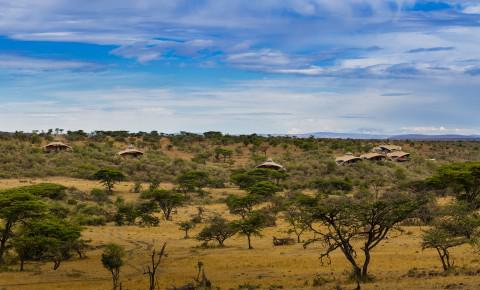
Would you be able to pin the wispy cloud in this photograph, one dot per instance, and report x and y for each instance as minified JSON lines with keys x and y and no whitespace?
{"x":22,"y":63}
{"x":431,"y":49}
{"x":304,"y":65}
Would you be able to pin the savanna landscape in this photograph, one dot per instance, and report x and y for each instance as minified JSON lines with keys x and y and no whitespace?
{"x":203,"y":198}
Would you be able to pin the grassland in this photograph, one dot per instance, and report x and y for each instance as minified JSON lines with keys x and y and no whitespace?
{"x":398,"y":263}
{"x":290,"y":267}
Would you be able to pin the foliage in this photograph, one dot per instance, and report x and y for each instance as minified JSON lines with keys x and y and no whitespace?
{"x":264,"y":188}
{"x":333,"y":186}
{"x":339,"y":221}
{"x":462,"y":178}
{"x":48,"y":239}
{"x":193,"y":181}
{"x":108,"y":177}
{"x":166,"y":200}
{"x":17,"y":206}
{"x":252,"y":225}
{"x":112,"y":260}
{"x":218,"y":229}
{"x":242,"y":205}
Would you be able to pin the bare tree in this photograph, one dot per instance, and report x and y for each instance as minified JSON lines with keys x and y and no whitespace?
{"x":151,"y":270}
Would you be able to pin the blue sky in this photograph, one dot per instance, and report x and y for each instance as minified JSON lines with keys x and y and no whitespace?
{"x":265,"y":66}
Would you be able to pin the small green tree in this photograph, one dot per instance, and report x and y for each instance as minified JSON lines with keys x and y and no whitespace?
{"x":339,"y":221}
{"x":242,"y":205}
{"x":264,"y":188}
{"x":297,"y":221}
{"x":218,"y":229}
{"x":17,"y":207}
{"x":442,"y":240}
{"x":186,"y":226}
{"x":166,"y":200}
{"x":193,"y":181}
{"x":48,"y":239}
{"x":252,"y":225}
{"x":224,"y":152}
{"x":333,"y":186}
{"x":112,"y":260}
{"x":108,"y":177}
{"x":455,"y":225}
{"x":462,"y":178}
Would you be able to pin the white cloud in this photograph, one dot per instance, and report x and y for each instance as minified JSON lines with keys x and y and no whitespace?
{"x":22,"y":63}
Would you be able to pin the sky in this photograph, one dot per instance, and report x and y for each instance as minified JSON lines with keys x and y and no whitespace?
{"x":236,"y":66}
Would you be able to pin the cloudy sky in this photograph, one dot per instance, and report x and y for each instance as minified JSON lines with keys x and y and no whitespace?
{"x":265,"y":66}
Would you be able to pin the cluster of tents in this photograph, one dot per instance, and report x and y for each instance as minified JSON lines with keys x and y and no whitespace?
{"x":379,"y":153}
{"x":61,"y":147}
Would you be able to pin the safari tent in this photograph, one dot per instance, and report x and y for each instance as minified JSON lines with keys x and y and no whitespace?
{"x":131,"y":151}
{"x":270,"y":164}
{"x":384,"y":149}
{"x":373,"y":157}
{"x":347,"y":159}
{"x":56,"y":147}
{"x":399,"y":156}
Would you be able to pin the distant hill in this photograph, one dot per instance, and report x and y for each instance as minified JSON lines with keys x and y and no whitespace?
{"x":448,"y":137}
{"x":333,"y":135}
{"x":366,"y":136}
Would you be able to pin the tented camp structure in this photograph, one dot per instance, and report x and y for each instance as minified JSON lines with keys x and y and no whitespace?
{"x":347,"y":159}
{"x":131,"y":151}
{"x":56,"y":147}
{"x":384,"y":149}
{"x":270,"y":165}
{"x":399,"y":156}
{"x":373,"y":157}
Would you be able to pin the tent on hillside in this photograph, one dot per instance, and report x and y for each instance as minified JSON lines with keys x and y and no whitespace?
{"x":271,"y":165}
{"x":56,"y":147}
{"x":131,"y":151}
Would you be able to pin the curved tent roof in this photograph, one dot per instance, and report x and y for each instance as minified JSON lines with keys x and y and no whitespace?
{"x":131,"y":151}
{"x":387,"y":147}
{"x":57,"y":145}
{"x":397,"y":154}
{"x":270,"y":164}
{"x":372,"y":156}
{"x":347,"y":158}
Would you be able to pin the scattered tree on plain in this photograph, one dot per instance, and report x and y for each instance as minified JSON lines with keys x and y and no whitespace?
{"x":108,"y":177}
{"x":112,"y":260}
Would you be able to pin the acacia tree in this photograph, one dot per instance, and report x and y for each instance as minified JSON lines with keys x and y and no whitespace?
{"x":112,"y":260}
{"x":186,"y":226}
{"x":456,"y":225}
{"x":442,"y":241}
{"x":250,"y":226}
{"x":48,"y":239}
{"x":339,"y":221}
{"x":218,"y":229}
{"x":193,"y":181}
{"x":462,"y":178}
{"x":166,"y":200}
{"x":242,"y":205}
{"x":17,"y":206}
{"x":224,"y":152}
{"x":264,"y":188}
{"x":297,"y":221}
{"x":108,"y":177}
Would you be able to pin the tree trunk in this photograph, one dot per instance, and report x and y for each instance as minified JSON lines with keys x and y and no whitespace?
{"x":3,"y":241}
{"x":186,"y":235}
{"x":22,"y":261}
{"x":365,"y":265}
{"x":56,"y":264}
{"x":249,"y":243}
{"x":298,"y":238}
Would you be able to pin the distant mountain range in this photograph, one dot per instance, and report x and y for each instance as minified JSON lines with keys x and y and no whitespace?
{"x":366,"y":136}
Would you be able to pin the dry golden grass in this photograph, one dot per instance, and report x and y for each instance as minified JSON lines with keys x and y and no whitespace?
{"x":289,"y":266}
